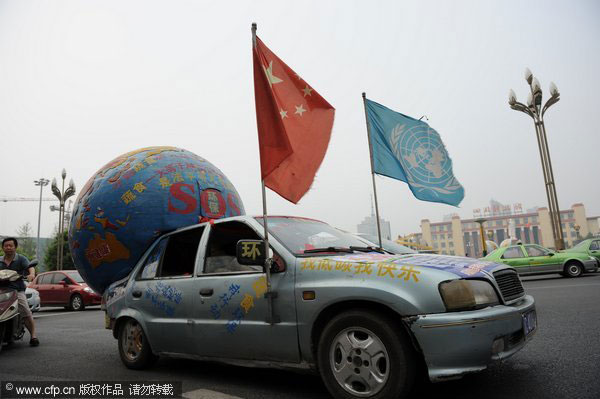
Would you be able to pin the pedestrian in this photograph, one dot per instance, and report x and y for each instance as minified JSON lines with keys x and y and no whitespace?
{"x":19,"y":263}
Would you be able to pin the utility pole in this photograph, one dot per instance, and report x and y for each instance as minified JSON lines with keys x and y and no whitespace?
{"x":41,"y":182}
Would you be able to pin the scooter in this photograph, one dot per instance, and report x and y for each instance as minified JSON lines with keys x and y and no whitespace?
{"x":12,"y":326}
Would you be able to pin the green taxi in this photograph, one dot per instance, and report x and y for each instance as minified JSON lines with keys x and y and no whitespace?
{"x":590,"y":247}
{"x":528,"y":259}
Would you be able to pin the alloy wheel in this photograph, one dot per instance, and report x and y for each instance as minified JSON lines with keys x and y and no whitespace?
{"x":359,"y":361}
{"x":132,"y":340}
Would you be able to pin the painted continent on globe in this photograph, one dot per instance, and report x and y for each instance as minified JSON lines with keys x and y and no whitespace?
{"x":133,"y":199}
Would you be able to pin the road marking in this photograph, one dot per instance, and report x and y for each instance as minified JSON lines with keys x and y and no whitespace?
{"x":37,"y":316}
{"x":207,"y":394}
{"x":559,"y":286}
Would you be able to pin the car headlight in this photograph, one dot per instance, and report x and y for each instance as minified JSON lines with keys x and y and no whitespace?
{"x":88,"y":289}
{"x":468,"y":294}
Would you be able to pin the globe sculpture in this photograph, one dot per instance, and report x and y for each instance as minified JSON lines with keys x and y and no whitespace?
{"x":135,"y":198}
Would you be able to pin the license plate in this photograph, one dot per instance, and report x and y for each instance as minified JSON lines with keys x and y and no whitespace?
{"x":529,"y":322}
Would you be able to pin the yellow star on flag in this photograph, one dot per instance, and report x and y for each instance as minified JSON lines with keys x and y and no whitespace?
{"x":270,"y":77}
{"x":299,"y":109}
{"x":307,"y":91}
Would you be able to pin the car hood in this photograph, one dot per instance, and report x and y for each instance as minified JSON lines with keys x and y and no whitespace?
{"x":461,"y":267}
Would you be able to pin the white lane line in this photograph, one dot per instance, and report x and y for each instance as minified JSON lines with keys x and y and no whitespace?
{"x":37,"y":316}
{"x":560,"y":286}
{"x":207,"y":394}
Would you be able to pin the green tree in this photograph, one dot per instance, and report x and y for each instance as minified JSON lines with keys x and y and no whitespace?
{"x":52,"y":250}
{"x":26,"y":241}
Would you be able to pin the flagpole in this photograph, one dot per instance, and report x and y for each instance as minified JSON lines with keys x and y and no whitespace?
{"x":364,"y":96}
{"x":268,"y":260}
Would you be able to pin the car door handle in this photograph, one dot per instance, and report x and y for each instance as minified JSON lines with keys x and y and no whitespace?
{"x":137,"y":294}
{"x":206,"y":291}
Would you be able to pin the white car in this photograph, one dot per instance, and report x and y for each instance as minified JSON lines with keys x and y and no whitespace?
{"x":33,"y":299}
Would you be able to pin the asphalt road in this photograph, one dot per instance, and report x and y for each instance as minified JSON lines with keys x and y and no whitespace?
{"x":562,"y":360}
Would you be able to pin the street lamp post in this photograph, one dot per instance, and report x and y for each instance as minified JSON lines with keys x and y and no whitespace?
{"x":41,"y":182}
{"x":535,"y":110}
{"x":484,"y":245}
{"x":62,"y":196}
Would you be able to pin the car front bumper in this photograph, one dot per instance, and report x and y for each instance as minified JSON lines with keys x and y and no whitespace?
{"x":457,"y":343}
{"x":34,"y":303}
{"x":92,"y":299}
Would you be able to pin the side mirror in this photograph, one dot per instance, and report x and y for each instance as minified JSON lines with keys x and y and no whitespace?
{"x":551,"y":254}
{"x":278,"y":265}
{"x":62,"y":282}
{"x":250,"y":252}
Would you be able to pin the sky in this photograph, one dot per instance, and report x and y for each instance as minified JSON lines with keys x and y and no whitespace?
{"x":82,"y":82}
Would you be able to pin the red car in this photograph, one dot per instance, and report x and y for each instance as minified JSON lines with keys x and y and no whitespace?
{"x":64,"y":288}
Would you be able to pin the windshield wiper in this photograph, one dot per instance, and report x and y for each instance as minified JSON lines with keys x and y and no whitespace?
{"x":368,"y":249}
{"x":328,"y":249}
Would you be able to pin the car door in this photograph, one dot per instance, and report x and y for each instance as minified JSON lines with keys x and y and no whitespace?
{"x":542,"y":260}
{"x":62,"y":287}
{"x":44,"y":287}
{"x":595,"y":249}
{"x":230,"y":311}
{"x":55,"y":290}
{"x":515,"y":256}
{"x":164,"y":291}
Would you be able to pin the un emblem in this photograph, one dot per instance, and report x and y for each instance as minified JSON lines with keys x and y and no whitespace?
{"x":424,"y":159}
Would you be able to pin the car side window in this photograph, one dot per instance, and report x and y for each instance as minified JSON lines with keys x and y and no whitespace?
{"x":56,"y":278}
{"x":180,"y":254}
{"x":512,"y":253}
{"x":221,"y":248}
{"x":536,"y":251}
{"x":153,"y":260}
{"x":45,"y":279}
{"x":595,"y":245}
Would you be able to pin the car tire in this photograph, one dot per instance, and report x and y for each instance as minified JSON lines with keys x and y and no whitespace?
{"x":364,"y":354}
{"x":573,"y":269}
{"x":76,"y":303}
{"x":134,"y":348}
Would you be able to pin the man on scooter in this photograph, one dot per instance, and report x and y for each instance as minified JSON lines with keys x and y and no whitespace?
{"x":19,"y":263}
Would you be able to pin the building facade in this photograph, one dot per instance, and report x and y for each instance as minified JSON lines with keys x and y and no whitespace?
{"x":369,"y":226}
{"x":462,"y":236}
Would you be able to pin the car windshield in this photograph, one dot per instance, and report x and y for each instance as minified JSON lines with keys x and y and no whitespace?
{"x":581,"y":245}
{"x":75,"y":276}
{"x":308,"y":237}
{"x":388,"y":245}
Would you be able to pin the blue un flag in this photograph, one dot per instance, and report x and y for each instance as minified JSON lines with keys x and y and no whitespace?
{"x":410,"y":150}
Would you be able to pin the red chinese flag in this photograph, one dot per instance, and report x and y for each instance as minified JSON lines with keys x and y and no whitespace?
{"x":294,"y":125}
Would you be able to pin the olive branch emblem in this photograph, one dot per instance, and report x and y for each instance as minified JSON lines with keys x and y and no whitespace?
{"x":450,"y":186}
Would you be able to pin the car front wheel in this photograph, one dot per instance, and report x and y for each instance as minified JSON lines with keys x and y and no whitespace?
{"x":134,"y":348}
{"x":364,"y":354}
{"x":76,"y":303}
{"x":573,"y":269}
